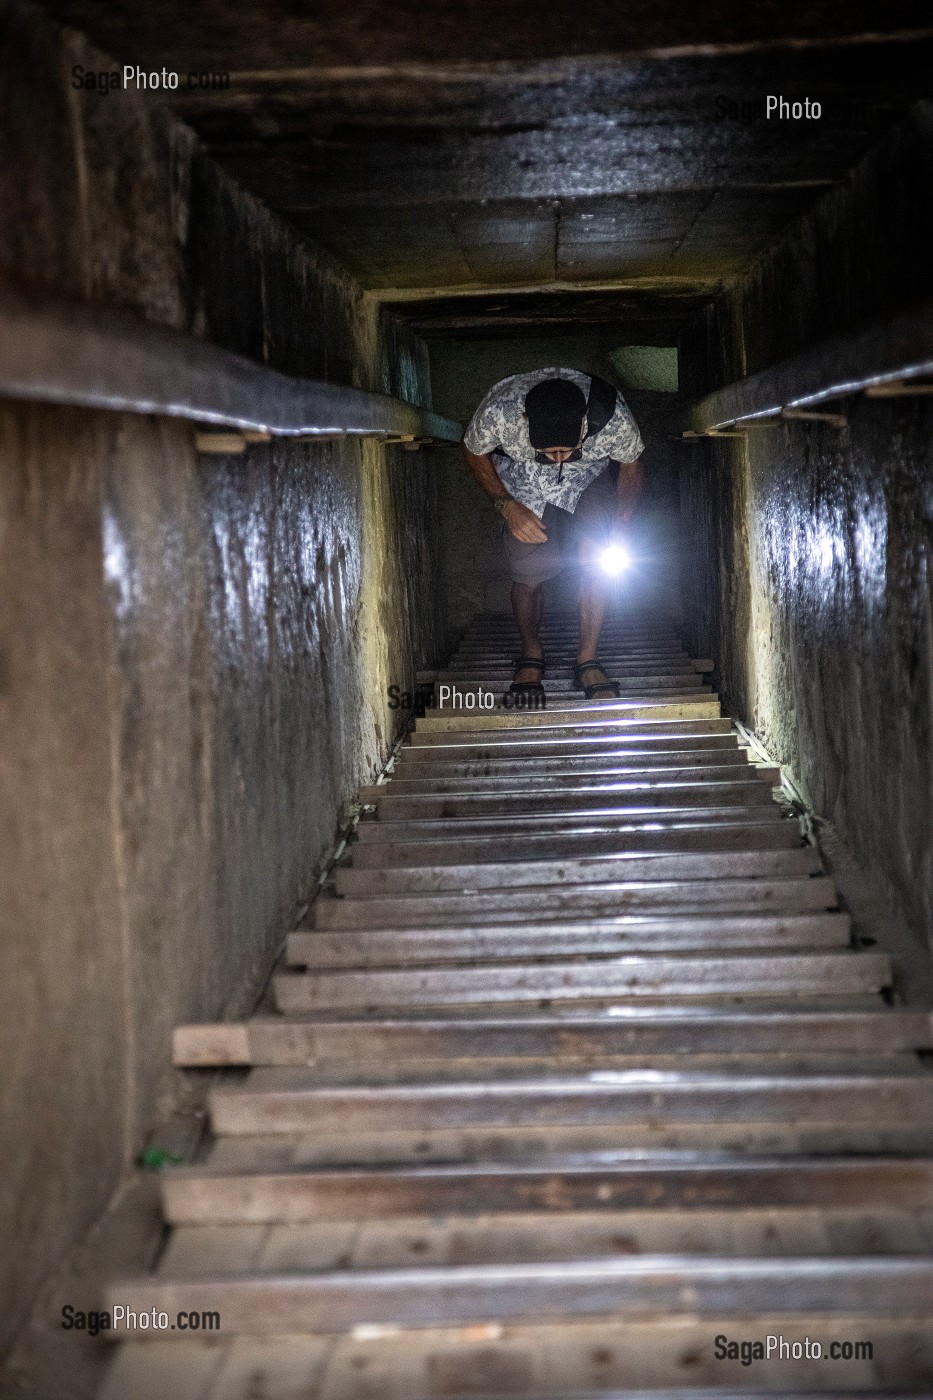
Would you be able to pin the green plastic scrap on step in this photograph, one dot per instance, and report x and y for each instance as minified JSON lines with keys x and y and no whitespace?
{"x":155,"y":1157}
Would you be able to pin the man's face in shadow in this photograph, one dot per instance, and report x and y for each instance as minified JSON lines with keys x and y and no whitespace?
{"x":558,"y":455}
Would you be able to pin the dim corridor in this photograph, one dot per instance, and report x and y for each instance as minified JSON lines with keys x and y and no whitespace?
{"x":575,"y":1074}
{"x":465,"y":1049}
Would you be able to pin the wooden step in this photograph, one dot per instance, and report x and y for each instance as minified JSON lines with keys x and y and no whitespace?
{"x":567,"y":637}
{"x":569,"y":765}
{"x":290,"y":1101}
{"x":348,"y":1239}
{"x":652,"y":866}
{"x":632,"y":796}
{"x":559,"y":667}
{"x":615,"y":777}
{"x":604,"y":713}
{"x":631,"y":975}
{"x":501,"y":748}
{"x":610,"y":819}
{"x":341,"y":1073}
{"x":203,"y":1195}
{"x":400,"y":947}
{"x":590,"y":1359}
{"x":293,"y":1040}
{"x":595,"y":899}
{"x":593,"y":722}
{"x":580,"y":1066}
{"x":524,"y":1142}
{"x":562,"y":649}
{"x":638,"y":1286}
{"x":630,"y":673}
{"x":534,"y":845}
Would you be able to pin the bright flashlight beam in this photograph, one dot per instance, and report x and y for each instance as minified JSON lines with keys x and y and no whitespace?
{"x":615,"y":559}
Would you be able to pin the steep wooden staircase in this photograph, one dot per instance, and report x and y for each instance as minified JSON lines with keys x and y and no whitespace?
{"x":578,"y":1066}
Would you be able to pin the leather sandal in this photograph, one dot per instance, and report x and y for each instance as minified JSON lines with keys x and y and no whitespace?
{"x":528,"y":687}
{"x":598,"y":690}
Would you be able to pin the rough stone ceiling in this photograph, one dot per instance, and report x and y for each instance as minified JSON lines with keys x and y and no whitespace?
{"x":486,"y":175}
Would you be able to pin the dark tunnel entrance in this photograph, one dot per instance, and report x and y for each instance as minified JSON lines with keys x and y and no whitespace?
{"x":568,"y":1045}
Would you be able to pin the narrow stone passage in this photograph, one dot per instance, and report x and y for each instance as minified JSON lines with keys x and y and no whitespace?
{"x":574,"y":1082}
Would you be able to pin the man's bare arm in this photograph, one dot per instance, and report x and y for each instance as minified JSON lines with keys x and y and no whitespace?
{"x":521,"y":522}
{"x":628,"y":489}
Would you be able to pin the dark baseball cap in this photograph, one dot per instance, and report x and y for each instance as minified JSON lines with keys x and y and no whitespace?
{"x":555,"y":409}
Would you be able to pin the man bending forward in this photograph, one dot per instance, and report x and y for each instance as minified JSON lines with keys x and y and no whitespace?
{"x":540,"y":446}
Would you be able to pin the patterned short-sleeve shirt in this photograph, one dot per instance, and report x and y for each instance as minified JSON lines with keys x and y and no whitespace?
{"x":499,"y":427}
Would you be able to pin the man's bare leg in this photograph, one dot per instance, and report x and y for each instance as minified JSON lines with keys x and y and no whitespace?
{"x":594,"y":600}
{"x":593,"y":604}
{"x":526,"y":605}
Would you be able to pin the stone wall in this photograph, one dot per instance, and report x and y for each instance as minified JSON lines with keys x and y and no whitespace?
{"x":194,"y":651}
{"x":809,"y":550}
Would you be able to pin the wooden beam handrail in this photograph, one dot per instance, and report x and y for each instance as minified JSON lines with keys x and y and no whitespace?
{"x":898,"y":350}
{"x":54,"y":351}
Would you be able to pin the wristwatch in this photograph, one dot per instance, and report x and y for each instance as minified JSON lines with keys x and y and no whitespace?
{"x":500,"y":502}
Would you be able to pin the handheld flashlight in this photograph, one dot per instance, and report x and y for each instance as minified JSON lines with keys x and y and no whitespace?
{"x":614,"y":559}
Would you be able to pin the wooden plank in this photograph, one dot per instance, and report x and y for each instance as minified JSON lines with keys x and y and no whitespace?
{"x":400,"y":947}
{"x":439,"y":765}
{"x":528,"y":1236}
{"x":290,"y":1040}
{"x":635,"y":683}
{"x":342,"y":1072}
{"x":559,"y":659}
{"x":180,"y":1369}
{"x":628,"y":975}
{"x":631,"y":796}
{"x":265,"y":1369}
{"x":586,"y":724}
{"x":531,"y":780}
{"x":560,"y":656}
{"x":631,"y":664}
{"x":290,"y":1101}
{"x":604,"y":712}
{"x":504,"y":747}
{"x":452,"y":849}
{"x":723,"y":1393}
{"x":783,"y":895}
{"x":570,"y":736}
{"x":484,"y":663}
{"x":635,"y":1287}
{"x":604,"y":820}
{"x":561,"y":638}
{"x":532,"y":1142}
{"x":485,"y":1143}
{"x":626,"y":667}
{"x":465,"y":665}
{"x":568,"y":870}
{"x":202,"y":1195}
{"x":652,"y":631}
{"x":515,"y":1157}
{"x":565,"y":633}
{"x":590,"y":1359}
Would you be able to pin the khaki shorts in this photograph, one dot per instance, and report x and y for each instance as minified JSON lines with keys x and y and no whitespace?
{"x":591,"y":521}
